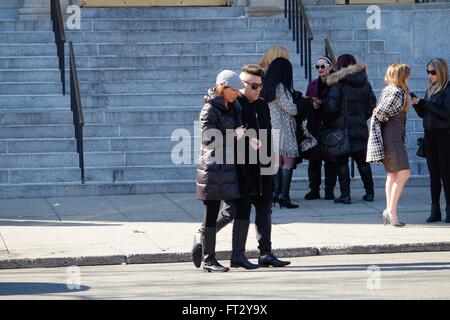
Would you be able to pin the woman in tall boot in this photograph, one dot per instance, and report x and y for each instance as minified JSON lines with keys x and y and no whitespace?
{"x":434,"y":109}
{"x":216,"y":174}
{"x":278,"y":93}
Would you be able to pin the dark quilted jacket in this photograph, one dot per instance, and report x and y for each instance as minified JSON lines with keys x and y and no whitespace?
{"x":216,"y":177}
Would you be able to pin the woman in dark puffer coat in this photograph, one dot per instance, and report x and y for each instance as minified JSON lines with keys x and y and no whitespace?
{"x":351,"y":81}
{"x":216,"y":174}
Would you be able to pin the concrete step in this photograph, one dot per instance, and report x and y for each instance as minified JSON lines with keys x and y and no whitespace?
{"x":42,"y":160}
{"x":116,"y":87}
{"x":48,"y":145}
{"x":94,"y":130}
{"x":167,"y":12}
{"x":14,"y":25}
{"x":128,"y":116}
{"x":29,"y":63}
{"x":127,"y":74}
{"x":41,"y":190}
{"x":98,"y":174}
{"x":181,"y":24}
{"x":132,"y":37}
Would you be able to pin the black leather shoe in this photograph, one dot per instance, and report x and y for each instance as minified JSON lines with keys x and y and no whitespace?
{"x":369,"y":196}
{"x":312,"y":195}
{"x":343,"y":200}
{"x":270,"y":260}
{"x":243,"y":262}
{"x":212,"y":265}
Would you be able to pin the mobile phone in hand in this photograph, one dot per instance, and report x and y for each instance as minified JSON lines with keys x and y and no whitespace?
{"x":413,"y":95}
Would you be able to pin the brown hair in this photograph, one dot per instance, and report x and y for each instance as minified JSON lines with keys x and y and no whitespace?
{"x":396,"y":75}
{"x":271,"y":54}
{"x":254,"y":70}
{"x":441,"y":67}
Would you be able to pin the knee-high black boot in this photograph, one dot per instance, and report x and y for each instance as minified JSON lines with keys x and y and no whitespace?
{"x":276,"y":182}
{"x":210,"y":263}
{"x":344,"y":184}
{"x":314,"y":177}
{"x":226,"y":216}
{"x":366,"y":176}
{"x":330,"y":169}
{"x":446,"y":183}
{"x":284,"y":199}
{"x":238,"y":258}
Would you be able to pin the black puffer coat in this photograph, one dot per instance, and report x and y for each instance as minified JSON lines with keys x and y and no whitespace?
{"x":360,"y":100}
{"x":435,"y":110}
{"x":217,"y":181}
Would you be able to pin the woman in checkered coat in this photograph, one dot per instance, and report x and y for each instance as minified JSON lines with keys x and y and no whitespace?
{"x":387,"y":137}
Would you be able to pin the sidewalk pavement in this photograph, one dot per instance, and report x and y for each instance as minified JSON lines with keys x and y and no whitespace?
{"x":59,"y":232}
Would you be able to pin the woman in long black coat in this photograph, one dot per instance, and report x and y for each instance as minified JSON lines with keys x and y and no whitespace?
{"x":216,"y":169}
{"x":434,"y":109}
{"x":350,"y":83}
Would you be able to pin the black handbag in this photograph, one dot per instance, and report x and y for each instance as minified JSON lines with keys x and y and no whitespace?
{"x":421,"y":151}
{"x":335,"y":142}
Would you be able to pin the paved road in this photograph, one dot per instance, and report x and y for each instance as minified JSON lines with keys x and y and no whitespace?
{"x":387,"y":276}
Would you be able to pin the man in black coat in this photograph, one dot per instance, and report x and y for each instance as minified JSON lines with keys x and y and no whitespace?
{"x":255,"y":175}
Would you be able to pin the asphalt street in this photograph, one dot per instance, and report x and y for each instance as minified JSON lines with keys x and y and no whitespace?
{"x":376,"y":276}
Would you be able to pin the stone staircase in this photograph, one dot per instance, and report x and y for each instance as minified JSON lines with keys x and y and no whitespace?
{"x":141,"y":77}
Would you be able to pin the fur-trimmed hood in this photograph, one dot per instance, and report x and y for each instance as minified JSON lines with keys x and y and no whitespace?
{"x":354,"y":75}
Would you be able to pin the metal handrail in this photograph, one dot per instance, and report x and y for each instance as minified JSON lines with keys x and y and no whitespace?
{"x":329,"y":52}
{"x":302,"y":33}
{"x":77,"y":109}
{"x":60,"y":38}
{"x":75,"y":98}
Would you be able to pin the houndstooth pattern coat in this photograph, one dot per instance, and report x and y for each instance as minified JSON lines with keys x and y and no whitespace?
{"x":392,"y":100}
{"x":282,"y":112}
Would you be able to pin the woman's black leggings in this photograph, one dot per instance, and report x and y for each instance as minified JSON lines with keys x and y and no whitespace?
{"x":437,"y":150}
{"x":235,"y":209}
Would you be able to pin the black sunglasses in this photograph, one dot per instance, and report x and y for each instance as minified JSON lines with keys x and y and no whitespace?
{"x":254,"y":86}
{"x":432,"y":72}
{"x":323,"y":66}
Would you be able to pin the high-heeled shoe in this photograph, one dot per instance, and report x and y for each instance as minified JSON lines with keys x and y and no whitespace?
{"x":387,"y":218}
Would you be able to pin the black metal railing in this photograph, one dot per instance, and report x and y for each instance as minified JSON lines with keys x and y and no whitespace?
{"x":60,"y":38}
{"x":76,"y":107}
{"x":329,"y":52}
{"x":75,"y":98}
{"x":302,"y":34}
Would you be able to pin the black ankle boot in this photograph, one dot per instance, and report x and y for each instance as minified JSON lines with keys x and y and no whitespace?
{"x":286,"y":178}
{"x":312,"y":195}
{"x":343,"y":200}
{"x":238,"y":258}
{"x":435,"y":214}
{"x":369,"y":196}
{"x":329,"y":194}
{"x":210,"y":263}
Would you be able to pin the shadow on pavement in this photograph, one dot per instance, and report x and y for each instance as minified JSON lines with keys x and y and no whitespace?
{"x":31,"y":288}
{"x":425,"y":266}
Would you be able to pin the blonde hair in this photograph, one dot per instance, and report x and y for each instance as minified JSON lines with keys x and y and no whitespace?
{"x":441,"y":67}
{"x":397,"y":75}
{"x":271,"y":54}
